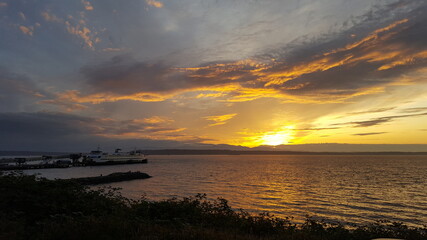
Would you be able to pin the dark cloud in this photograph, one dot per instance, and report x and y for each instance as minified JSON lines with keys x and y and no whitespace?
{"x":381,"y":120}
{"x":353,"y":29}
{"x":64,"y":132}
{"x":373,"y":122}
{"x":17,"y":92}
{"x":50,"y":124}
{"x":387,"y":43}
{"x":375,"y":62}
{"x":348,"y":66}
{"x":415,"y":110}
{"x":45,"y":125}
{"x":368,"y":134}
{"x":123,"y":75}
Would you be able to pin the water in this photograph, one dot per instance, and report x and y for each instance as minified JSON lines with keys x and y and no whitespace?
{"x":348,"y":189}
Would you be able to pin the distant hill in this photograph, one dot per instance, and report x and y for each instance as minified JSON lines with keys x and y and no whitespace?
{"x":264,"y":152}
{"x":346,"y":147}
{"x":302,"y":149}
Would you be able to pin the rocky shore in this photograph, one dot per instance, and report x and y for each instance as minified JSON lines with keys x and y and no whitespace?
{"x":110,"y":178}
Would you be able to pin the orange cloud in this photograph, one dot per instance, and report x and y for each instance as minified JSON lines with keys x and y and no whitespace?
{"x":373,"y":36}
{"x":154,"y":128}
{"x":3,"y":4}
{"x":249,"y":94}
{"x":154,"y":3}
{"x":171,"y":135}
{"x":27,"y":30}
{"x":81,"y":31}
{"x":371,"y":49}
{"x":73,"y":100}
{"x":88,"y":6}
{"x":330,"y":60}
{"x":157,"y":120}
{"x":319,"y":65}
{"x":77,"y":27}
{"x":220,"y":120}
{"x":67,"y":100}
{"x":210,"y":95}
{"x":406,"y":60}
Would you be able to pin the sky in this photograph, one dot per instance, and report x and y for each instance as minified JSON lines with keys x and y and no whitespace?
{"x":220,"y":74}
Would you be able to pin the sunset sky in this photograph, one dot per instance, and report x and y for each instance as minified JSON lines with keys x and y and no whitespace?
{"x":211,"y":73}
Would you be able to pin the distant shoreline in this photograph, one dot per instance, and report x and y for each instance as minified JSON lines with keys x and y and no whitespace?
{"x":220,"y":152}
{"x":234,"y":152}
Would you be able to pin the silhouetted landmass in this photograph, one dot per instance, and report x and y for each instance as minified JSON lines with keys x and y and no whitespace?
{"x":30,"y":153}
{"x":258,"y":152}
{"x":113,"y":177}
{"x":37,"y":208}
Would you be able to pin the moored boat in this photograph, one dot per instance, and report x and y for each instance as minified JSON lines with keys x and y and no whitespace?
{"x":97,"y":157}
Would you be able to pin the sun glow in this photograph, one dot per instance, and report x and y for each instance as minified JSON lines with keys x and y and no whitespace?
{"x":277,"y":138}
{"x":283,"y":135}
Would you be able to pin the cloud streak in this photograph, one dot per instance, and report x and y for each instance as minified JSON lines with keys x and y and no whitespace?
{"x":369,"y":134}
{"x":220,"y":119}
{"x":381,"y":120}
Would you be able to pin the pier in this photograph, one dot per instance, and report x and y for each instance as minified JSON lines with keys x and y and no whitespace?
{"x":72,"y":160}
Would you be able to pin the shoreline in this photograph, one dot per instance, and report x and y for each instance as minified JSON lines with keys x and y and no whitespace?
{"x":110,"y":178}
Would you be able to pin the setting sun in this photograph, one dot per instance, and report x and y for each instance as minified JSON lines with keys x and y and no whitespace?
{"x":283,"y":135}
{"x":277,"y":138}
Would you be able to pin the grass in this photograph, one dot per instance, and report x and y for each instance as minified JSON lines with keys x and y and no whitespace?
{"x":37,"y":208}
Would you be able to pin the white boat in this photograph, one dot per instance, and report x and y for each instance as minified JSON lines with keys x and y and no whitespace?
{"x":98,"y":157}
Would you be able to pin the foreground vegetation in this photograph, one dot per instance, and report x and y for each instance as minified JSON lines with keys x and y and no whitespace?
{"x":32,"y":208}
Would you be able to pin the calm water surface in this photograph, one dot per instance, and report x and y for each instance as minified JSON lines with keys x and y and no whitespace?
{"x":351,"y":189}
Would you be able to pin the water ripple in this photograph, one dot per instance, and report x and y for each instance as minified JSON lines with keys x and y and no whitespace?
{"x":350,"y":189}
